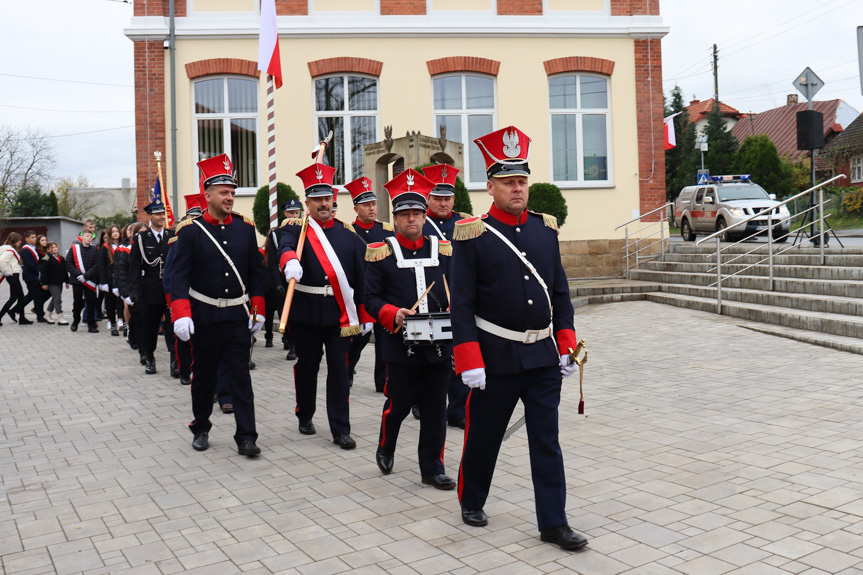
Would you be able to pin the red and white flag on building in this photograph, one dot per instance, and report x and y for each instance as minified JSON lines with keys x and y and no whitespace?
{"x":670,"y":136}
{"x":268,"y":43}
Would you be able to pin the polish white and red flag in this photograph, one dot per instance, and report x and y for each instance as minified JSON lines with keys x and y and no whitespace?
{"x":670,"y":136}
{"x":268,"y":43}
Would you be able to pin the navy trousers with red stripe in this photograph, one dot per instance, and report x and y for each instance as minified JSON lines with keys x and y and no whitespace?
{"x":424,"y":386}
{"x":488,"y":412}
{"x":309,"y":342}
{"x":227,"y":342}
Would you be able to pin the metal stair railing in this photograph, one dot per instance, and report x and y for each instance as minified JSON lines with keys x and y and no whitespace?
{"x":634,"y":247}
{"x":769,"y":212}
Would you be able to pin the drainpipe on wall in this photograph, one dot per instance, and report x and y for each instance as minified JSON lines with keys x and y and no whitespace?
{"x":172,"y":49}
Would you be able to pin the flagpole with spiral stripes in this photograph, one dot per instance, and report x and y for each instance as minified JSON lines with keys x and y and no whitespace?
{"x":271,"y":151}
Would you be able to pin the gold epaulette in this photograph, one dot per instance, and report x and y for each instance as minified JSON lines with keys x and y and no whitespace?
{"x":388,"y":226}
{"x":549,"y":220}
{"x":464,"y":215}
{"x":349,"y":227}
{"x":246,"y":219}
{"x":350,"y":331}
{"x":468,"y":229}
{"x":172,"y":239}
{"x":292,"y":222}
{"x":378,"y":251}
{"x":183,"y":224}
{"x":444,"y":248}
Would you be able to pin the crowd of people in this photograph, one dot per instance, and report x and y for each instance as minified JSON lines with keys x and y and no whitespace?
{"x":470,"y":315}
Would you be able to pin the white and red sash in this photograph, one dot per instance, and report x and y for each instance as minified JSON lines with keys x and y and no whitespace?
{"x":349,"y":318}
{"x":79,"y":264}
{"x":33,"y":252}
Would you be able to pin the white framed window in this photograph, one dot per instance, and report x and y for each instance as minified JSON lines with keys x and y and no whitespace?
{"x":226,"y":122}
{"x":857,"y":169}
{"x":347,"y":105}
{"x":466,"y":104}
{"x":580,"y":129}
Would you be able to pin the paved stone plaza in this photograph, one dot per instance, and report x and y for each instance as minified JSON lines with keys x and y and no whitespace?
{"x":707,"y":448}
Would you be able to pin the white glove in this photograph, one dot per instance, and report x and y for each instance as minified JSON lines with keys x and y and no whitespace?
{"x":8,"y":274}
{"x":104,"y":288}
{"x":116,"y":292}
{"x":80,"y":279}
{"x":567,"y":366}
{"x":184,"y":327}
{"x":256,"y":322}
{"x":474,"y":378}
{"x":293,"y":270}
{"x":128,"y":301}
{"x":366,"y":327}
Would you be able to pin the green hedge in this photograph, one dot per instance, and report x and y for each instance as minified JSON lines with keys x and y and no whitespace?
{"x":548,"y":199}
{"x":261,"y":207}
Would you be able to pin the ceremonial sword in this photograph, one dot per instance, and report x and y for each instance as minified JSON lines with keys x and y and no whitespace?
{"x":573,"y":356}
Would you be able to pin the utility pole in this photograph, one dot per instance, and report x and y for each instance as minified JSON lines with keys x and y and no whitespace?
{"x":715,"y":75}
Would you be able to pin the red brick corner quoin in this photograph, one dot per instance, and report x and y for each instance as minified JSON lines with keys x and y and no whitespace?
{"x":651,"y":134}
{"x":463,"y":64}
{"x":345,"y":64}
{"x":579,"y":64}
{"x":216,"y":66}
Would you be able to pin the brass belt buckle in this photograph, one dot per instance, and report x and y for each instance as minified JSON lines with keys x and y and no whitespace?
{"x":532,"y":335}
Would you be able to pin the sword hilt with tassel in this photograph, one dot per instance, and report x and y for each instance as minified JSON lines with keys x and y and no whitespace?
{"x":573,"y":356}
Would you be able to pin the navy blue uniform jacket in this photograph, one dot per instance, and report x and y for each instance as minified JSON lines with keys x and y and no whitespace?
{"x":446,"y":226}
{"x":373,"y":232}
{"x":144,"y":280}
{"x":389,"y":288}
{"x":30,"y":264}
{"x":489,"y":281}
{"x":197,"y":263}
{"x":316,"y":309}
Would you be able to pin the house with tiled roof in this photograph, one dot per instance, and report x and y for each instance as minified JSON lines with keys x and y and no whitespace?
{"x":698,"y":110}
{"x":780,"y":125}
{"x":845,"y":153}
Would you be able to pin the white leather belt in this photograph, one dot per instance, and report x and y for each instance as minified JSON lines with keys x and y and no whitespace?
{"x":319,"y":290}
{"x":218,"y":302}
{"x":529,"y":336}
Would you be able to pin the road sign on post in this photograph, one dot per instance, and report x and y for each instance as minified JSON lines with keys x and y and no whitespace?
{"x":808,"y":83}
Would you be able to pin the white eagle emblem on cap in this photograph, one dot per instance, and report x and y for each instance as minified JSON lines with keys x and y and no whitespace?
{"x":366,"y":184}
{"x":443,"y":173}
{"x":511,"y":149}
{"x":410,"y":180}
{"x":227,"y":166}
{"x":319,"y":174}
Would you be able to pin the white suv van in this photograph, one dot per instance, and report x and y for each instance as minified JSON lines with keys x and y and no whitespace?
{"x":723,"y":203}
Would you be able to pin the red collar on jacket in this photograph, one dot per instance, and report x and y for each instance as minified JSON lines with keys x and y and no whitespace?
{"x":367,"y":226}
{"x":409,"y":245}
{"x":506,"y":218}
{"x":211,"y":220}
{"x":327,"y":224}
{"x":434,"y":216}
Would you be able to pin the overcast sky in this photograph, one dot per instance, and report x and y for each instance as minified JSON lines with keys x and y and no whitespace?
{"x":67,"y":68}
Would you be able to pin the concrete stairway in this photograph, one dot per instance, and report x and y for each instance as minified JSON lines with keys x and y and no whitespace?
{"x":809,"y":302}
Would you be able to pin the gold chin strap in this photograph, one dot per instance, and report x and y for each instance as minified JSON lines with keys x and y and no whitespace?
{"x":573,"y":356}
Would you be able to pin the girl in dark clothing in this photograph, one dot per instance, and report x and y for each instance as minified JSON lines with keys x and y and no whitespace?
{"x":113,"y":302}
{"x":52,"y":274}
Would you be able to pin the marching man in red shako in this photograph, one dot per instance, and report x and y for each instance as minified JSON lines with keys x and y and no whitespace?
{"x":512,"y":325}
{"x":217,"y":302}
{"x":327,"y":309}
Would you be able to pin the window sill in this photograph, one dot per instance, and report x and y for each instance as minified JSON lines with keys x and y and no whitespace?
{"x":564,"y":186}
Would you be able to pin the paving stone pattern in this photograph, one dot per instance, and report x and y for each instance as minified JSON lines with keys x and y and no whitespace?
{"x":707,"y":449}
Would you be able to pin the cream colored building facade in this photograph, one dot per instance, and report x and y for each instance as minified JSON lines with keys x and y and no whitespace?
{"x":581,"y":77}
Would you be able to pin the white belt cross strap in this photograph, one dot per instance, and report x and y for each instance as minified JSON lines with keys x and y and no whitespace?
{"x":417,"y":265}
{"x":437,"y":229}
{"x":319,"y":290}
{"x":228,"y":259}
{"x":529,"y":336}
{"x":524,"y":260}
{"x":218,"y":302}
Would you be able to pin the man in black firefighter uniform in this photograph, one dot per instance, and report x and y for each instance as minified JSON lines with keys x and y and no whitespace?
{"x":370,"y":231}
{"x":512,"y":325}
{"x":327,"y":309}
{"x":399,"y":272}
{"x":146,"y":264}
{"x":440,"y":221}
{"x":217,"y":301}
